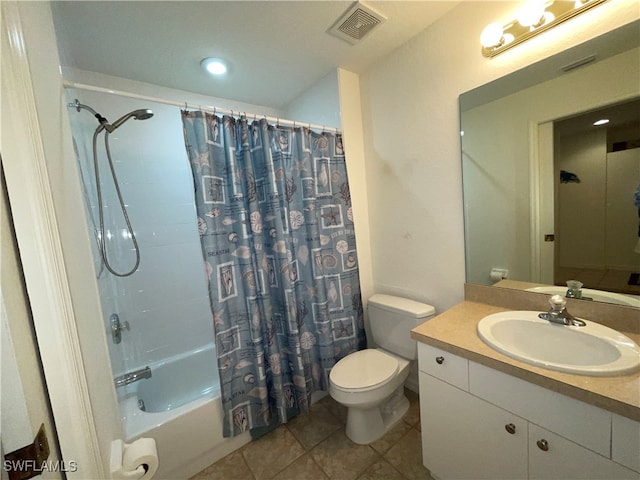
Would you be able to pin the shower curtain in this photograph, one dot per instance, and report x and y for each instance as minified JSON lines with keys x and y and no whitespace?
{"x":276,"y":228}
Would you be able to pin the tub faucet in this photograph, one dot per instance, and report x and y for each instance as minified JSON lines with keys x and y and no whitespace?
{"x":558,"y":313}
{"x":131,"y":377}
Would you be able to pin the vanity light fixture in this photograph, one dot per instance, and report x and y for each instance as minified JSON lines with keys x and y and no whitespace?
{"x":214,"y":66}
{"x":602,"y":121}
{"x":536,"y":16}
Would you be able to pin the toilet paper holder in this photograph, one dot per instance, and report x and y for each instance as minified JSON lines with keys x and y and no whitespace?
{"x":133,"y":461}
{"x":498,"y":274}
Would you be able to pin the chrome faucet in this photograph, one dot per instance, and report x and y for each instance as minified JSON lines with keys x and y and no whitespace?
{"x":559,"y":314}
{"x":131,"y":377}
{"x":574,"y":289}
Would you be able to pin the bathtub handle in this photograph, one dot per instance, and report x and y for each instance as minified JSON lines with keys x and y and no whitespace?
{"x":117,"y":327}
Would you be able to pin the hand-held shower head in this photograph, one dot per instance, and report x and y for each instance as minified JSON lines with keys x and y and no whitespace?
{"x":142,"y":114}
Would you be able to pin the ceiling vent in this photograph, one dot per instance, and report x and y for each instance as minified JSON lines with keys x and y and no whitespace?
{"x":579,"y":63}
{"x":356,"y":22}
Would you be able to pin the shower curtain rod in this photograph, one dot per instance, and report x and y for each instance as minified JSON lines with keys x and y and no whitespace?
{"x":208,"y":108}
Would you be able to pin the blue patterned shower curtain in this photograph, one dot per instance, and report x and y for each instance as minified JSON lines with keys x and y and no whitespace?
{"x":276,"y":227}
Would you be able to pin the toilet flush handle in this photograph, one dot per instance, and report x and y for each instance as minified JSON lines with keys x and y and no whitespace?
{"x":439,"y":360}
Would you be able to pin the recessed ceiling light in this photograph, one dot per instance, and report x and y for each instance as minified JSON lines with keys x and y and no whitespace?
{"x":601,"y":122}
{"x":214,"y":66}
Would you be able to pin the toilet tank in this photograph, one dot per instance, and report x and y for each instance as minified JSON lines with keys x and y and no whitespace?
{"x":392,"y":318}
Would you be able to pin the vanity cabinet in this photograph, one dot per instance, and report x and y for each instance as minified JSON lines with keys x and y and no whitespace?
{"x":466,"y":437}
{"x":481,"y":423}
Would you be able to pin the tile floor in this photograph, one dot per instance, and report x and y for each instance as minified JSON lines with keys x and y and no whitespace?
{"x":314,"y":446}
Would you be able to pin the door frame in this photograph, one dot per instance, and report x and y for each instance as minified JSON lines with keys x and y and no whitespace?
{"x":39,"y":241}
{"x":542,"y":201}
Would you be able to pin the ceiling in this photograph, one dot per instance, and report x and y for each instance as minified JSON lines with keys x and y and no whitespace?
{"x":623,"y":114}
{"x":276,"y":49}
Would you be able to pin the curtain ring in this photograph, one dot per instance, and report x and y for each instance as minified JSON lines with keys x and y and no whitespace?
{"x":214,"y":110}
{"x":278,"y":122}
{"x":294,"y":124}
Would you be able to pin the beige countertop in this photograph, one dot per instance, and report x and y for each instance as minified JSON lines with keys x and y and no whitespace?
{"x":455,"y":331}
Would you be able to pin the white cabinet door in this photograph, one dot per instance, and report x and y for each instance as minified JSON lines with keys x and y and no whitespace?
{"x":554,"y":457}
{"x":464,"y":437}
{"x":625,"y":442}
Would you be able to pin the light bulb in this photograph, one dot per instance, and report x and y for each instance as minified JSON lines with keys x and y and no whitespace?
{"x":214,"y":66}
{"x":532,"y":13}
{"x":601,"y":122}
{"x":492,"y":35}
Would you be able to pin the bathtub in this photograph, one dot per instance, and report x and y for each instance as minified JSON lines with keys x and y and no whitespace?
{"x":183,"y":413}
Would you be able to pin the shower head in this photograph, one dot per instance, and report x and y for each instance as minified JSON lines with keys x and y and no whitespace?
{"x":142,"y":114}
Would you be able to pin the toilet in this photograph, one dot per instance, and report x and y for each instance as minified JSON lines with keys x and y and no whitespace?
{"x":370,"y":383}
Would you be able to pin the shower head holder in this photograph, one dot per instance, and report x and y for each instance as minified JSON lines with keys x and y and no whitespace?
{"x":142,"y":114}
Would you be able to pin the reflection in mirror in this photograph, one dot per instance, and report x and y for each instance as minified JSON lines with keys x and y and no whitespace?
{"x":548,"y":196}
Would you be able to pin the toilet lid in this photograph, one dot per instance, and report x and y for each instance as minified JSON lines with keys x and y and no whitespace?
{"x":363,"y":369}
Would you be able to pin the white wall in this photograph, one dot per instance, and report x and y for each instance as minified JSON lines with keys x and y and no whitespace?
{"x":622,"y":240}
{"x":319,"y":105}
{"x":580,"y":226}
{"x":411,"y":129}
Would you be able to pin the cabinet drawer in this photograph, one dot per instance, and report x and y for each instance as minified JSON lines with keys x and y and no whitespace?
{"x":559,"y":413}
{"x":554,"y":457}
{"x":625,"y":442}
{"x":444,"y":365}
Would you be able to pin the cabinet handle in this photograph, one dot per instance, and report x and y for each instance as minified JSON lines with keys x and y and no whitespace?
{"x":543,"y":445}
{"x":439,"y":360}
{"x":510,"y":427}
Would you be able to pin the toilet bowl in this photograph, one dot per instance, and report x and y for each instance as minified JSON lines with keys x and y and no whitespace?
{"x":370,"y":383}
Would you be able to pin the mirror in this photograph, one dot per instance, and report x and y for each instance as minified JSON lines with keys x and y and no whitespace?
{"x":545,"y":200}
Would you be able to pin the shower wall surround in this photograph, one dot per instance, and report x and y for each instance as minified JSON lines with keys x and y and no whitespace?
{"x":165,"y":302}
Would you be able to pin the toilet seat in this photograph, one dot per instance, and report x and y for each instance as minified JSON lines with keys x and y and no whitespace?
{"x":363,"y":370}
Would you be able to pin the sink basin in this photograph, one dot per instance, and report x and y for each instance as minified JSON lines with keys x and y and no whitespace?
{"x":597,"y":295}
{"x":590,"y":350}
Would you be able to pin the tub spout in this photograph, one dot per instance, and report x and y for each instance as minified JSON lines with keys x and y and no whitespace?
{"x":131,"y":377}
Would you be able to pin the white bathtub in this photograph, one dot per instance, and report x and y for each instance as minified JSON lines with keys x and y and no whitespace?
{"x":183,"y":414}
